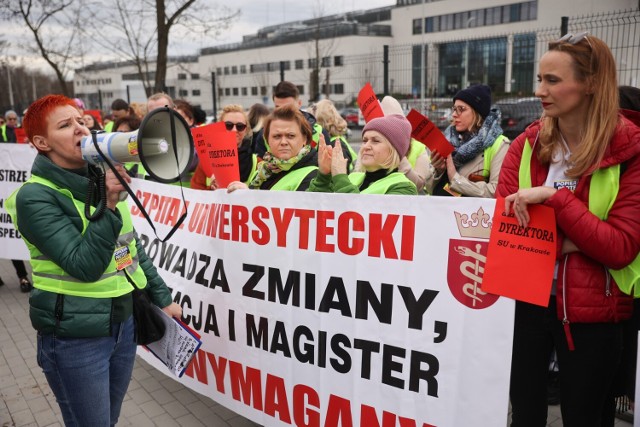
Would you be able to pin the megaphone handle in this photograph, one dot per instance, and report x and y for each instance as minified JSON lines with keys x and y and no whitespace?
{"x":122,"y":196}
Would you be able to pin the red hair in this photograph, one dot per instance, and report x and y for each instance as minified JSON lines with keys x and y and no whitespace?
{"x":35,"y":121}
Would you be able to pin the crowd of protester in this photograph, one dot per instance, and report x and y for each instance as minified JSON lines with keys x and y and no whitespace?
{"x":554,"y":162}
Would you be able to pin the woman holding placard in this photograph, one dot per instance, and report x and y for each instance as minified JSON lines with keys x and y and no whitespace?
{"x":479,"y":147}
{"x":582,"y":159}
{"x":235,"y":120}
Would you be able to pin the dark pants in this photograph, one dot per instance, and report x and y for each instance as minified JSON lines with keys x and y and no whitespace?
{"x":586,"y":374}
{"x":21,"y":270}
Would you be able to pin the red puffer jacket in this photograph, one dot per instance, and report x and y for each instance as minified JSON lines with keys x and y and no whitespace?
{"x":586,"y":292}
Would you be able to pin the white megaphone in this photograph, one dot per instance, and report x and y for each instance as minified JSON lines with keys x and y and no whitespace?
{"x":164,"y":158}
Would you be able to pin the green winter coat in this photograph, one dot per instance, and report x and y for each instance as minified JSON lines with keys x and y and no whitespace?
{"x":50,"y":221}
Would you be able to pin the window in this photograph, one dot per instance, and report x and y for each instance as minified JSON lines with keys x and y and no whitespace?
{"x":244,"y":91}
{"x":220,"y":91}
{"x":338,"y":88}
{"x":301,"y":89}
{"x":195,"y":76}
{"x":338,"y":61}
{"x":227,"y":91}
{"x":182,"y":76}
{"x":493,"y":15}
{"x":243,"y":69}
{"x":195,"y":92}
{"x":263,"y":90}
{"x":312,"y":62}
{"x":299,"y":64}
{"x":254,"y":90}
{"x":226,"y":71}
{"x":235,"y":91}
{"x":183,"y":92}
{"x":417,"y":26}
{"x":326,"y":61}
{"x":234,"y":69}
{"x":218,"y":71}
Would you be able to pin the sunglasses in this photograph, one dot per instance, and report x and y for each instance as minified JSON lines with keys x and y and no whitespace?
{"x":573,"y":39}
{"x":239,"y":126}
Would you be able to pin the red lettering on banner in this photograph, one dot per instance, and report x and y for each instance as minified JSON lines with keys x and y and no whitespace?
{"x":161,"y":209}
{"x":223,"y":222}
{"x":282,"y":221}
{"x":390,"y":236}
{"x":262,"y":235}
{"x":246,"y":385}
{"x":304,"y":404}
{"x":304,"y":216}
{"x":275,"y":399}
{"x":239,"y":227}
{"x":323,"y":230}
{"x":350,"y":221}
{"x":339,"y":412}
{"x":303,"y":397}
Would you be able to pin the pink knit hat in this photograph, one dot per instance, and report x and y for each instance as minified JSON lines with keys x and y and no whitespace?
{"x":396,"y":128}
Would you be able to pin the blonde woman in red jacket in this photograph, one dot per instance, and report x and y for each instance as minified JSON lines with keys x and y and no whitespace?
{"x":581,"y":132}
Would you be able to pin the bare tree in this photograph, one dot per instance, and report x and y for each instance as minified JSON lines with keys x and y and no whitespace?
{"x":321,"y":46}
{"x":127,"y":24}
{"x":53,"y":24}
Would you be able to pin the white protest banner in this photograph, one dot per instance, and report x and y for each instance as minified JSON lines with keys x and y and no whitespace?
{"x":336,"y":310}
{"x":333,"y":310}
{"x":15,"y":168}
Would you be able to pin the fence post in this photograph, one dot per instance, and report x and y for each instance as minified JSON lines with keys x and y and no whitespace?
{"x":385,"y":62}
{"x":215,"y":95}
{"x":564,"y":25}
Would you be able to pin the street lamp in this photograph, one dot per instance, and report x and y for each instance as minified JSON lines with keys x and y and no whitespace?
{"x":465,"y":82}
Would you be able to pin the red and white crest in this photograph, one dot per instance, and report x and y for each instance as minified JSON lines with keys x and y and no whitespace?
{"x":467,"y":259}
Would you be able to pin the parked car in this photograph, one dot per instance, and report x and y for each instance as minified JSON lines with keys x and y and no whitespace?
{"x":517,"y":114}
{"x":440,"y":114}
{"x":351,"y":116}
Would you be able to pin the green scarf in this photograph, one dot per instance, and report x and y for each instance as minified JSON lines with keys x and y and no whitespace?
{"x":271,"y":165}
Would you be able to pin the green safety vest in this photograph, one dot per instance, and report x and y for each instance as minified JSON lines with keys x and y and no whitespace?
{"x":4,"y":132}
{"x":50,"y":277}
{"x":415,"y":150}
{"x":489,"y":153}
{"x":603,"y":191}
{"x":291,"y":181}
{"x":381,"y":186}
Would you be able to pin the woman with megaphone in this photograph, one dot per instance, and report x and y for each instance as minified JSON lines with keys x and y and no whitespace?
{"x":83,"y":271}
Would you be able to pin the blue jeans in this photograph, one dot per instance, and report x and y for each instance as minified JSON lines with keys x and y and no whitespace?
{"x":89,"y":376}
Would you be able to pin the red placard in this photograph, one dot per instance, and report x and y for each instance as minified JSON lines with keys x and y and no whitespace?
{"x":369,"y":104}
{"x":21,"y":135}
{"x":426,"y":132}
{"x":218,"y":152}
{"x":521,"y":260}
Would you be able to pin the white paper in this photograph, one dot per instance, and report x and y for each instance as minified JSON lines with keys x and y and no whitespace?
{"x":178,"y":345}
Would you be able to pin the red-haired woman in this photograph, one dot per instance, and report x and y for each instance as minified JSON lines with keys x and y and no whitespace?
{"x":83,"y":270}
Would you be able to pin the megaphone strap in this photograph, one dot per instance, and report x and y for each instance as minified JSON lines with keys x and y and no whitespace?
{"x":135,"y":199}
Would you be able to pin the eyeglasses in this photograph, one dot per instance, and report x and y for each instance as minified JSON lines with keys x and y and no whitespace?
{"x":239,"y":126}
{"x":574,"y":39}
{"x":458,"y":109}
{"x":12,"y":119}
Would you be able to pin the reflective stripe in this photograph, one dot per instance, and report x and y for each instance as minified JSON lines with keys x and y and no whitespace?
{"x":489,"y":154}
{"x":292,"y":180}
{"x":51,"y":277}
{"x":603,"y":190}
{"x":380,"y":186}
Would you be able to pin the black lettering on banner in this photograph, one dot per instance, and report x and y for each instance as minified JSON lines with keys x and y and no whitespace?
{"x":303,"y":353}
{"x":416,"y":308}
{"x":219,"y":277}
{"x":366,"y":297}
{"x":232,"y":325}
{"x":257,"y":335}
{"x":416,"y":373}
{"x":336,"y":288}
{"x":389,"y":365}
{"x":342,"y":362}
{"x":211,"y":322}
{"x":292,"y":286}
{"x":368,"y":348}
{"x":200,"y":279}
{"x":248,"y":290}
{"x":279,"y":341}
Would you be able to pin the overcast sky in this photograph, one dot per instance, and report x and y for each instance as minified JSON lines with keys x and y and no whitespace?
{"x":258,"y":14}
{"x":254,"y":15}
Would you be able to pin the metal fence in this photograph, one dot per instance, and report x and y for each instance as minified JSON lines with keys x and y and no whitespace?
{"x":505,"y":61}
